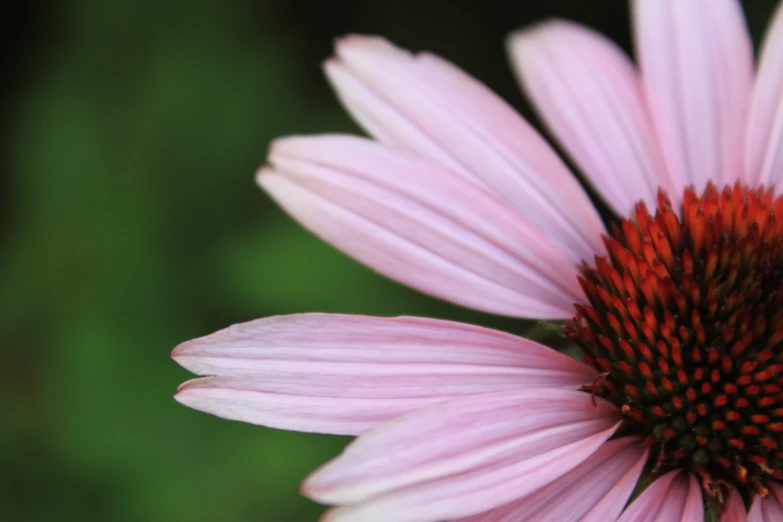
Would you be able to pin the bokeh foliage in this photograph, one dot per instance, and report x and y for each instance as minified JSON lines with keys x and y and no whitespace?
{"x":130,"y":222}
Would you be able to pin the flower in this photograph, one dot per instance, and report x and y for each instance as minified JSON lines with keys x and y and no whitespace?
{"x":678,"y":311}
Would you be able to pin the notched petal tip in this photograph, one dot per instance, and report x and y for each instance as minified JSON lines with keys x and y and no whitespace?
{"x":187,"y":389}
{"x":178,"y":394}
{"x":181,"y":395}
{"x":181,"y":350}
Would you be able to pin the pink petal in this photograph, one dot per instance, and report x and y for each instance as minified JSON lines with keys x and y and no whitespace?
{"x":424,"y":103}
{"x":764,"y":147}
{"x":674,"y":497}
{"x":734,"y":510}
{"x":594,"y":491}
{"x":589,"y":94}
{"x":768,"y":509}
{"x":697,"y":66}
{"x":410,"y":219}
{"x":345,"y":374}
{"x":463,"y":456}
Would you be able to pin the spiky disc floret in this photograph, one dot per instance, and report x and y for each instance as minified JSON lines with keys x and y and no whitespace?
{"x":685,"y":322}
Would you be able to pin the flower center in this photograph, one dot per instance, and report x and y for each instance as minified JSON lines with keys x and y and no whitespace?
{"x":685,"y":322}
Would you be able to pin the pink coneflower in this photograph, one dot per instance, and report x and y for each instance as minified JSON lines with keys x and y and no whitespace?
{"x":678,"y":307}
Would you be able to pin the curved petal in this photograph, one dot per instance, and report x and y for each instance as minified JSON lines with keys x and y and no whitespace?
{"x":764,"y":146}
{"x":426,"y":104}
{"x":345,"y":374}
{"x":768,"y":509}
{"x":594,"y":491}
{"x":463,"y":456}
{"x":674,"y":497}
{"x":589,"y":94}
{"x":697,"y":68}
{"x":409,"y":219}
{"x":734,"y":511}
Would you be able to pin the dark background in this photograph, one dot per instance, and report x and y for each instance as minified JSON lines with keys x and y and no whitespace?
{"x":129,"y":221}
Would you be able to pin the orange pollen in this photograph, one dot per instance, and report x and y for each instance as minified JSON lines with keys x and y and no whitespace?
{"x":685,"y":320}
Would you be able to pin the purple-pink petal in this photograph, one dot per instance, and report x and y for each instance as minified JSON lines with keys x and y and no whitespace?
{"x":463,"y":456}
{"x":408,"y":218}
{"x":345,"y":374}
{"x":425,"y":104}
{"x":589,"y":94}
{"x":764,"y":147}
{"x":697,"y":68}
{"x":594,"y":491}
{"x":768,"y":509}
{"x":674,"y":497}
{"x":734,"y":509}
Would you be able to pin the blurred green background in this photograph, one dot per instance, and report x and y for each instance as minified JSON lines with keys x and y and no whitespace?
{"x":130,"y":222}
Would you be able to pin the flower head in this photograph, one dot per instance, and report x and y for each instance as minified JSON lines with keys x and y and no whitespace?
{"x":677,"y":307}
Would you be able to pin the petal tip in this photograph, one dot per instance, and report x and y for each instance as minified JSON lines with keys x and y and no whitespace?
{"x":308,"y":490}
{"x":261,"y":173}
{"x":316,"y":486}
{"x":537,"y":28}
{"x":294,"y":146}
{"x":180,"y":394}
{"x":304,"y":488}
{"x":356,"y":40}
{"x":274,"y":147}
{"x":330,"y":64}
{"x":362,"y":43}
{"x":180,"y":350}
{"x":185,"y":390}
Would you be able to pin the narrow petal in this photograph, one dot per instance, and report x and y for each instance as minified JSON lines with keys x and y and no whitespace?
{"x":411,"y":220}
{"x":674,"y":497}
{"x":764,"y":147}
{"x":697,"y":68}
{"x":463,"y":456}
{"x":768,"y":509}
{"x":734,"y":511}
{"x":589,"y":94}
{"x":346,"y":374}
{"x":595,"y":491}
{"x":426,"y":104}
